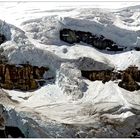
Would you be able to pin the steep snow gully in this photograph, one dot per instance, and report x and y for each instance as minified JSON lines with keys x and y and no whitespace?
{"x":69,"y":105}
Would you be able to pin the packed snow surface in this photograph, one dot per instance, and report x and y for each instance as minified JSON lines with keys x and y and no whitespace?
{"x":33,"y":36}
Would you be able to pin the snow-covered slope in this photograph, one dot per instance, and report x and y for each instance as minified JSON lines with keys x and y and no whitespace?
{"x":72,"y":106}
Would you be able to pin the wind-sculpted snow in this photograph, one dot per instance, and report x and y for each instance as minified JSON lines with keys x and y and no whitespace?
{"x":19,"y":50}
{"x":45,"y":33}
{"x":70,"y":105}
{"x":96,"y":21}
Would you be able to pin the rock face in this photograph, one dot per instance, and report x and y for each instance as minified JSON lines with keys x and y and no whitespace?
{"x":129,"y":77}
{"x":23,"y":77}
{"x":100,"y":42}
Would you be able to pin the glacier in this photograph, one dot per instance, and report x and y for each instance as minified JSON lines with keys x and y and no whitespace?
{"x":71,"y":106}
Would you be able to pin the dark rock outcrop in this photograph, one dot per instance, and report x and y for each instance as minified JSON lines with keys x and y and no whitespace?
{"x":128,"y":77}
{"x":137,"y":48}
{"x":2,"y":39}
{"x":2,"y":122}
{"x":100,"y":42}
{"x":23,"y":77}
{"x":133,"y":72}
{"x":103,"y":75}
{"x":10,"y":131}
{"x":3,"y":58}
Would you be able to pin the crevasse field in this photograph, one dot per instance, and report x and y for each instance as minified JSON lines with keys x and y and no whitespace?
{"x":90,"y":109}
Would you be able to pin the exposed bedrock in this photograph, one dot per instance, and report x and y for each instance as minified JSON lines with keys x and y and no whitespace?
{"x":128,"y":77}
{"x":100,"y":42}
{"x":23,"y":77}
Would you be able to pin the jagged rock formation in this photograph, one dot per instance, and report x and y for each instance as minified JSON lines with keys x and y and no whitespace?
{"x":23,"y":77}
{"x":129,"y":77}
{"x":100,"y":42}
